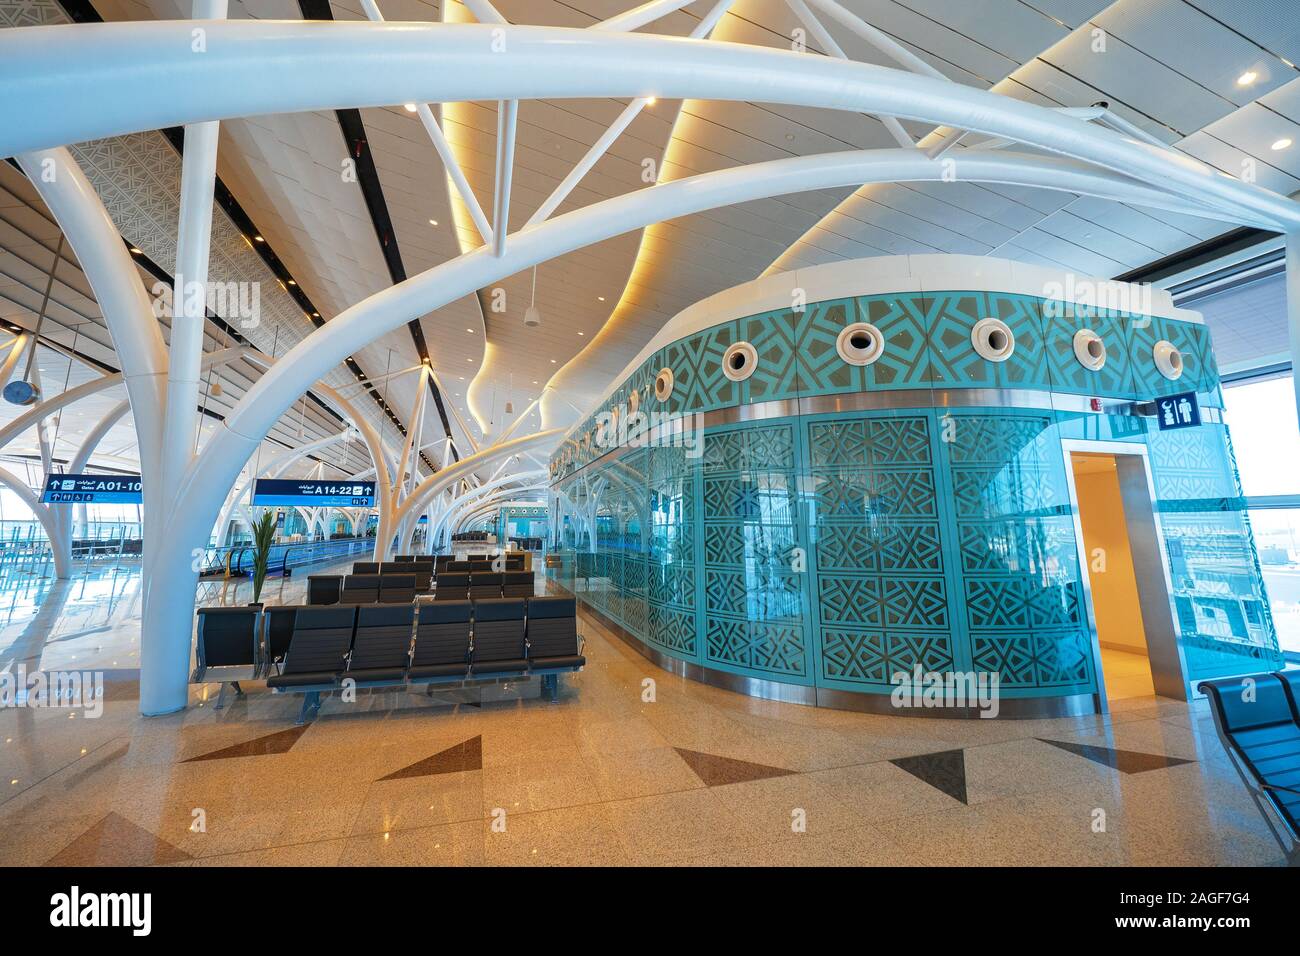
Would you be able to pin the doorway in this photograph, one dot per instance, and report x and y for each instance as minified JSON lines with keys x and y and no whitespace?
{"x":1125,"y":660}
{"x":1135,"y":642}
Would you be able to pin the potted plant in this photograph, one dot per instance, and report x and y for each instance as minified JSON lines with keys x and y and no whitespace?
{"x":263,"y":538}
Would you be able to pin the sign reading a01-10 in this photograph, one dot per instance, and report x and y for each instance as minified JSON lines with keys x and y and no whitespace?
{"x":279,"y":492}
{"x":92,"y":490}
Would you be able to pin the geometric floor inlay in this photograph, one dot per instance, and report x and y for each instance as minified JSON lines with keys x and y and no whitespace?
{"x":277,"y":743}
{"x":1125,"y":761}
{"x":716,"y":771}
{"x":945,"y":771}
{"x":466,"y":755}
{"x":116,"y":841}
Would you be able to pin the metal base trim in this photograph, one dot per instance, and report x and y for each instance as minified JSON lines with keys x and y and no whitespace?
{"x":1014,"y":708}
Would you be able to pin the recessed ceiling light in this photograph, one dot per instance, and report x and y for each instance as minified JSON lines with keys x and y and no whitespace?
{"x":136,"y":252}
{"x":601,"y":298}
{"x":433,"y":222}
{"x":291,"y":282}
{"x":582,"y":333}
{"x":553,"y":362}
{"x":470,"y":331}
{"x":409,"y":107}
{"x":1247,"y":78}
{"x":1282,"y":143}
{"x":258,"y":239}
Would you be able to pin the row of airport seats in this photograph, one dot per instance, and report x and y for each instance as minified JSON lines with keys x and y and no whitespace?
{"x":460,"y":586}
{"x":470,"y":536}
{"x":390,"y":645}
{"x":1258,"y":721}
{"x":391,"y":585}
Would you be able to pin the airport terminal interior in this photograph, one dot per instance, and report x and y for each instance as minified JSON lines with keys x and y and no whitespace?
{"x":669,"y":433}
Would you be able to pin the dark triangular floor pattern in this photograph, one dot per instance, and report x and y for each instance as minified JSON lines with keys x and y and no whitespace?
{"x":277,"y":743}
{"x":467,"y":755}
{"x":1125,"y":761}
{"x":116,"y":841}
{"x":945,"y":771}
{"x":716,"y":771}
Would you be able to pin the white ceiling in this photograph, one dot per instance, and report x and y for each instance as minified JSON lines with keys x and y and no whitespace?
{"x":1169,"y":66}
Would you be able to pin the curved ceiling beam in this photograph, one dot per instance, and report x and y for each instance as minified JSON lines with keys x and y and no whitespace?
{"x":436,"y":483}
{"x":256,"y":67}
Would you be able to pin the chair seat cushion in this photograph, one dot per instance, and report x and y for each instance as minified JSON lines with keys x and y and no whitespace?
{"x":500,"y":667}
{"x":301,"y":680}
{"x":567,"y":661}
{"x":376,"y":674}
{"x":439,"y":670}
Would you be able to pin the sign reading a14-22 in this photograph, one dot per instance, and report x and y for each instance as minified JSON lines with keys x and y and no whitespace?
{"x":92,"y":490}
{"x":1177,"y":411}
{"x":278,"y":492}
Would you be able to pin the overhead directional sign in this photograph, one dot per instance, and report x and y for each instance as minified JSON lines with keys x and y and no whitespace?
{"x":92,"y":489}
{"x":1177,"y":411}
{"x":293,"y":492}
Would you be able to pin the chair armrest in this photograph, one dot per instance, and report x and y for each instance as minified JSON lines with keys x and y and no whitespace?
{"x":1274,"y":786}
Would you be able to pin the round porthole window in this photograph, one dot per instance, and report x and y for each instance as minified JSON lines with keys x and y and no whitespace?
{"x":664,"y":384}
{"x":739,"y":361}
{"x":860,"y":343}
{"x":1169,"y":361}
{"x":993,"y":340}
{"x":1089,"y":349}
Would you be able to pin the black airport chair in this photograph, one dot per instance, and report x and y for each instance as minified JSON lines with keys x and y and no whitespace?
{"x":514,"y":562}
{"x":397,"y":589}
{"x":228,"y":648}
{"x":382,"y":648}
{"x":360,"y":589}
{"x":1259,"y":726}
{"x":459,"y":567}
{"x":518,"y":584}
{"x":393,"y":567}
{"x":477,"y":557}
{"x":318,"y":650}
{"x":365,"y":567}
{"x":404,"y":558}
{"x":499,"y":637}
{"x":442,"y":637}
{"x":553,"y":634}
{"x":481,"y":567}
{"x":485,"y":584}
{"x":423,"y":575}
{"x":324,"y":588}
{"x":441,"y":561}
{"x":451,"y":587}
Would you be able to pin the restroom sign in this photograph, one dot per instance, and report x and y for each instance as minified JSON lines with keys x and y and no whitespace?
{"x":1177,"y":411}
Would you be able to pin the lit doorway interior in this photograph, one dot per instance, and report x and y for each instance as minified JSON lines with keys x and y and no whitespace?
{"x":1117,"y":608}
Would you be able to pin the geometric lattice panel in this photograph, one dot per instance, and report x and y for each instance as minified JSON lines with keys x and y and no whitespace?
{"x":872,"y":656}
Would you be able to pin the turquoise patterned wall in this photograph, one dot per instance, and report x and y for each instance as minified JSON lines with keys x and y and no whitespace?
{"x":838,"y":549}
